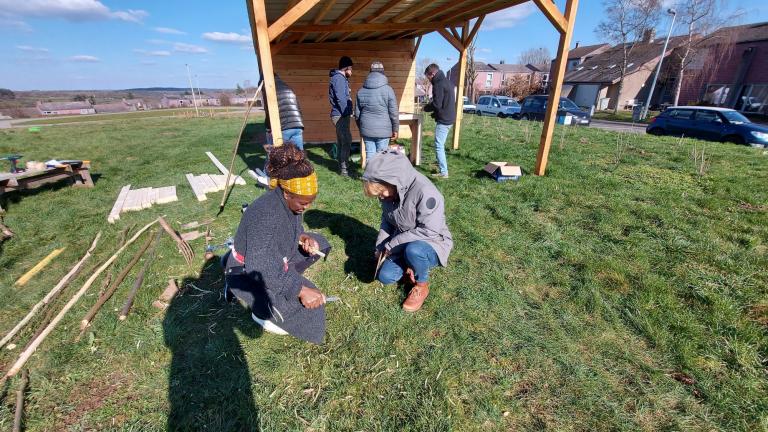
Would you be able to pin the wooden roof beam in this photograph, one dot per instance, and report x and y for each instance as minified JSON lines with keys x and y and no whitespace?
{"x":468,"y":38}
{"x":550,"y":10}
{"x":418,"y":7}
{"x":452,"y":40}
{"x":320,"y":15}
{"x":289,"y":18}
{"x":468,"y":7}
{"x":378,"y":27}
{"x":351,"y":11}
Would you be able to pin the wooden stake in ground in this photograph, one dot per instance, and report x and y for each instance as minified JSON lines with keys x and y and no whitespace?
{"x":86,"y":321}
{"x":227,"y":186}
{"x":168,"y":294}
{"x":20,"y":401}
{"x":140,"y":278}
{"x":75,"y":298}
{"x":36,"y":269}
{"x":69,"y":277}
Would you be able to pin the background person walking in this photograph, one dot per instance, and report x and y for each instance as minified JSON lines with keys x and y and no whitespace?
{"x":443,"y":109}
{"x":340,"y":98}
{"x":376,"y":111}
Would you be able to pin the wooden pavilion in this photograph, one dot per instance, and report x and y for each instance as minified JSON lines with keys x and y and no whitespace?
{"x":302,"y":40}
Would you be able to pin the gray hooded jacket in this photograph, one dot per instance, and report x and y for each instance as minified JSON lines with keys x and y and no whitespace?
{"x":418,"y":214}
{"x":376,"y":109}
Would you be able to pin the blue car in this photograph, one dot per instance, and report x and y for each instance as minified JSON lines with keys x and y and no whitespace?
{"x":534,"y":107}
{"x":708,"y":123}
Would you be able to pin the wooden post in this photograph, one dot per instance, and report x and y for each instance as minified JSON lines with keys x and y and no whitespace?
{"x":554,"y":96}
{"x":260,"y":33}
{"x":459,"y":96}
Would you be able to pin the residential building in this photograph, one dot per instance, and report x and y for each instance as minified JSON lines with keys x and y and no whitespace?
{"x":730,"y":69}
{"x":125,"y":105}
{"x":596,"y":81}
{"x":491,"y":78}
{"x":580,"y":54}
{"x":64,"y":108}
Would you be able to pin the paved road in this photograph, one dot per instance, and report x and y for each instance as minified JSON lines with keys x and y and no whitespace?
{"x":618,"y":126}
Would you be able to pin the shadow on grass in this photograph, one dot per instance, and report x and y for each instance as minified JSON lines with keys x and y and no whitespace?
{"x":209,"y":385}
{"x":359,"y":241}
{"x":251,"y":148}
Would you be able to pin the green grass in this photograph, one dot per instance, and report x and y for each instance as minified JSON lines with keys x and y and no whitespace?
{"x":582,"y":300}
{"x":123,"y":116}
{"x":622,"y":116}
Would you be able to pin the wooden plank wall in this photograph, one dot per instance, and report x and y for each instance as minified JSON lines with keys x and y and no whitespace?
{"x":305,"y":68}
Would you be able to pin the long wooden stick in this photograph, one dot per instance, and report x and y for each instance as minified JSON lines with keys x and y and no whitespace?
{"x":69,"y":277}
{"x":227,"y":186}
{"x":20,"y":401}
{"x":86,"y":321}
{"x":139,"y":278}
{"x":39,"y":266}
{"x":29,"y":351}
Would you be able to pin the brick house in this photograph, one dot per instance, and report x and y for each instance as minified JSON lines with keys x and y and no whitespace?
{"x":64,"y":108}
{"x":731,"y":70}
{"x":580,"y":54}
{"x":491,"y":77}
{"x":596,"y":81}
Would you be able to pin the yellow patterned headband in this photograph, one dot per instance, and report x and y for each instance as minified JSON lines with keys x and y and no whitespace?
{"x":300,"y":186}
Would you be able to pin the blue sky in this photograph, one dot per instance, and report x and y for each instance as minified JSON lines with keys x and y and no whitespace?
{"x":91,"y":44}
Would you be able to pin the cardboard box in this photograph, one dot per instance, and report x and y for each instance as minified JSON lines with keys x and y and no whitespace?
{"x":503,"y":171}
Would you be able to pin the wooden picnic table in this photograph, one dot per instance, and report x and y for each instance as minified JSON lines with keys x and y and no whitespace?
{"x":78,"y":173}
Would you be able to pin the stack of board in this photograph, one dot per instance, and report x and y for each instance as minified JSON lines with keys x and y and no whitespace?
{"x":209,"y":183}
{"x":138,"y":199}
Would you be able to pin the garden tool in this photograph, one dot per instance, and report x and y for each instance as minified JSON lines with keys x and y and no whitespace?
{"x":184,"y":248}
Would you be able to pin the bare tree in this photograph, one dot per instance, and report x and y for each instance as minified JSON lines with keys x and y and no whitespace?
{"x":469,"y":82}
{"x":699,"y":19}
{"x":535,"y":56}
{"x":422,"y":80}
{"x":624,"y":23}
{"x":520,"y":86}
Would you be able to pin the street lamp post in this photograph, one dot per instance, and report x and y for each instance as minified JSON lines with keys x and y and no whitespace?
{"x":658,"y":67}
{"x":191,"y":88}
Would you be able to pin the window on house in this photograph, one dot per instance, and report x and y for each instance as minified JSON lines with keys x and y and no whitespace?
{"x":753,"y":99}
{"x":611,"y":66}
{"x":630,"y":65}
{"x":716,"y":94}
{"x":489,"y":80}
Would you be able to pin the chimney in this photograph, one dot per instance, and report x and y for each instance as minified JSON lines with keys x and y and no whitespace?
{"x":501,"y":61}
{"x":648,"y":35}
{"x":577,"y":45}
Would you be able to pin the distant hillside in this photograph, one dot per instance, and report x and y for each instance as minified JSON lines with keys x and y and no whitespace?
{"x":166,"y":89}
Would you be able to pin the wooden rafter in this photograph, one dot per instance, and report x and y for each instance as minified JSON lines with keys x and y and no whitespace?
{"x":294,"y":14}
{"x":320,"y":15}
{"x":347,"y":28}
{"x":348,"y":14}
{"x":553,"y":14}
{"x":382,"y":10}
{"x":471,"y":36}
{"x":452,"y":40}
{"x":455,"y":32}
{"x":289,"y":39}
{"x":416,"y":48}
{"x":413,"y":10}
{"x":464,"y":8}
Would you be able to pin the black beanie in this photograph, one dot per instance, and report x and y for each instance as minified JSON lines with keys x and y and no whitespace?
{"x":345,"y":62}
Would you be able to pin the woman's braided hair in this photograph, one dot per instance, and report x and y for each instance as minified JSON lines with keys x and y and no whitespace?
{"x":288,"y":162}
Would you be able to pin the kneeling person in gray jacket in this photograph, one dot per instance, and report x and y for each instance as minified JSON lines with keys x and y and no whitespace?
{"x":413,"y":237}
{"x":376,"y":111}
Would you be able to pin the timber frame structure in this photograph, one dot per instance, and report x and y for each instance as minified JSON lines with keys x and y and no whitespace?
{"x":280,"y":24}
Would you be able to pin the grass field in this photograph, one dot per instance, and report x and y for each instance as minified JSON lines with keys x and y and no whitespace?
{"x":622,"y":116}
{"x":626,"y":290}
{"x":126,"y":116}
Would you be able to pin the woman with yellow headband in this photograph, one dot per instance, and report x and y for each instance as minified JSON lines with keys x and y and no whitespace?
{"x":272,"y":251}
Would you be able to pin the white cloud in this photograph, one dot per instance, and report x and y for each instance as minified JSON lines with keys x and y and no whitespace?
{"x":168,"y":30}
{"x":10,"y":22}
{"x":72,"y":10}
{"x":508,"y":17}
{"x":230,"y":37}
{"x":158,"y":41}
{"x":159,"y":53}
{"x":84,"y":59}
{"x":27,"y":48}
{"x":189,"y":48}
{"x":484,"y":50}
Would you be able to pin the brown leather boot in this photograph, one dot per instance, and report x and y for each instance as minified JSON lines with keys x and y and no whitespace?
{"x":416,"y":297}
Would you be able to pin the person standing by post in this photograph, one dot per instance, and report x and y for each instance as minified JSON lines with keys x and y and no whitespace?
{"x":340,"y":99}
{"x":291,"y":123}
{"x":376,"y":111}
{"x":443,"y":109}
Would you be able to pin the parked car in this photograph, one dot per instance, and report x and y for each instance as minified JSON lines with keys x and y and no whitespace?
{"x":534,"y":108}
{"x":469,"y":107}
{"x":708,"y":123}
{"x":499,"y":106}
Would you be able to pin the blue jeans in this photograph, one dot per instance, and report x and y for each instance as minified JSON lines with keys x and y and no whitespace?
{"x":296,"y":136}
{"x":441,"y":133}
{"x":417,"y":255}
{"x":374,"y":145}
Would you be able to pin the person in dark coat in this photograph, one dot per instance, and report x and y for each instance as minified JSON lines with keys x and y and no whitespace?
{"x":271,"y":252}
{"x":376,"y":111}
{"x":443,"y":109}
{"x":291,"y":122}
{"x":340,"y":98}
{"x":413,"y":236}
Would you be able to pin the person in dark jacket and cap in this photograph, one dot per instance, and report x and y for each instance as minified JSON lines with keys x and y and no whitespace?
{"x":340,"y":98}
{"x":376,"y":111}
{"x":443,"y":109}
{"x":271,"y":251}
{"x":413,"y":236}
{"x":291,"y":123}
